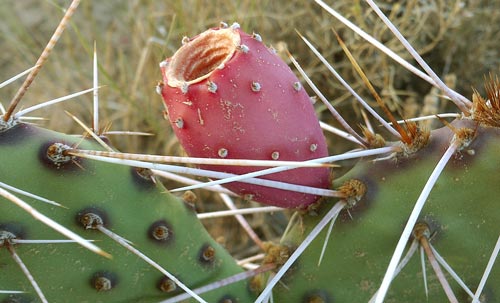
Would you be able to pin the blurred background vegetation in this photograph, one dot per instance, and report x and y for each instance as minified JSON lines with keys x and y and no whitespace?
{"x":457,"y":38}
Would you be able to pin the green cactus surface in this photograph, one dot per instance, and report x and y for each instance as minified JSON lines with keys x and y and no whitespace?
{"x":158,"y":224}
{"x":461,"y":213}
{"x":143,"y":231}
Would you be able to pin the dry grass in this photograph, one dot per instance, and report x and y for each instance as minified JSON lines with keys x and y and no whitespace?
{"x":134,"y":36}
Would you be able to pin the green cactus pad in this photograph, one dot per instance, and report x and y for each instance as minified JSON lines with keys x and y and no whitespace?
{"x":462,"y":212}
{"x":158,"y":224}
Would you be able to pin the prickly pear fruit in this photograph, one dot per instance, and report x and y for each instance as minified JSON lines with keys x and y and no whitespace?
{"x":228,"y":96}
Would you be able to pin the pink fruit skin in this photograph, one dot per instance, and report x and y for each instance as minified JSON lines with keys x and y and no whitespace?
{"x":251,"y":122}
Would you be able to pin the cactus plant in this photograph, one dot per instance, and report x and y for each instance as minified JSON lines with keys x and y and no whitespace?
{"x":143,"y":233}
{"x":162,"y":227}
{"x":351,"y":269}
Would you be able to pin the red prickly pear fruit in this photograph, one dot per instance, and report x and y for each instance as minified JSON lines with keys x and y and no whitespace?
{"x":228,"y":96}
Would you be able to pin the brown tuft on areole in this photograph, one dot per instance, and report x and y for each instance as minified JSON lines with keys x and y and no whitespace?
{"x":199,"y":57}
{"x":55,"y":155}
{"x":161,"y":232}
{"x":103,"y":281}
{"x":167,"y":285}
{"x":206,"y":255}
{"x":317,"y":296}
{"x":486,"y":111}
{"x":92,"y":218}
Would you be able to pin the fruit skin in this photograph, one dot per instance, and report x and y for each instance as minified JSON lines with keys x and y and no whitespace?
{"x":229,"y":96}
